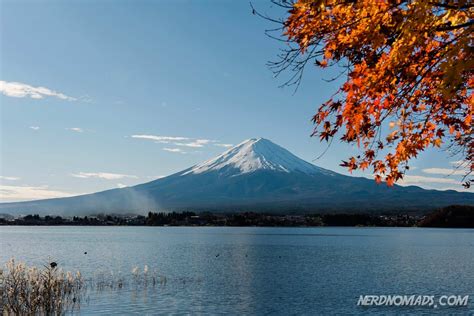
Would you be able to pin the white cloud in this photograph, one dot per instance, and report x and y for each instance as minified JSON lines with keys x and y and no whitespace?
{"x":174,"y":150}
{"x":181,"y":141}
{"x":224,"y":145}
{"x":444,"y":183}
{"x":458,"y":162}
{"x":35,"y":128}
{"x":155,"y":177}
{"x":102,"y":175}
{"x":422,"y":180}
{"x":9,"y":178}
{"x":161,"y":139}
{"x":75,"y":129}
{"x":196,"y":143}
{"x":10,"y":193}
{"x":121,"y":185}
{"x":444,"y":171}
{"x":23,"y":90}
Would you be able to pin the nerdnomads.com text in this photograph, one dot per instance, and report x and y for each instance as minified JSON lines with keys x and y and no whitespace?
{"x":414,"y":300}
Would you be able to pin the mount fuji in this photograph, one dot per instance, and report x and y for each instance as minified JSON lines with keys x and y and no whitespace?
{"x":255,"y":175}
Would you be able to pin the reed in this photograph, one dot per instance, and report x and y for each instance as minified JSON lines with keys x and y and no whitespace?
{"x":50,"y":291}
{"x":39,"y":291}
{"x":138,"y":280}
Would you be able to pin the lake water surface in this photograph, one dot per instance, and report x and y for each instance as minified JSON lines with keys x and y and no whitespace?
{"x":260,"y":271}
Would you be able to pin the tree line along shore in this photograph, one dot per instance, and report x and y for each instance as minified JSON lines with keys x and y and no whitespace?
{"x":456,"y":216}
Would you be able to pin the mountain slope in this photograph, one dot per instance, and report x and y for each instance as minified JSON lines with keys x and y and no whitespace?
{"x":254,"y":175}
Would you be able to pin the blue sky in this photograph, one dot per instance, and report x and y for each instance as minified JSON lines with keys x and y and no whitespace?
{"x":103,"y":94}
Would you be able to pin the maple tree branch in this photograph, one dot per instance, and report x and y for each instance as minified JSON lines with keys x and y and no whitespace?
{"x":452,"y":7}
{"x":449,"y":27}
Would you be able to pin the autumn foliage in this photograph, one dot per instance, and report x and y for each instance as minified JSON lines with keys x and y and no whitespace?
{"x":409,"y":73}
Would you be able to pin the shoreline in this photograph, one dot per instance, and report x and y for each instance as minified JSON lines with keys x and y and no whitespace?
{"x":195,"y":226}
{"x":455,"y":216}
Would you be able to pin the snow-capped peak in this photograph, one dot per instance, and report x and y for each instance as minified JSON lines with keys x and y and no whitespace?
{"x":256,"y":154}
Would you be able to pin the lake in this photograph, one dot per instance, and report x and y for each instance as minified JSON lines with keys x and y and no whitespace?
{"x":217,"y":270}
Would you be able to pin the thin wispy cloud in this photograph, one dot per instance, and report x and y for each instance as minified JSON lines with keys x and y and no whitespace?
{"x":23,"y":90}
{"x":459,"y":163}
{"x":11,"y":193}
{"x":161,"y":139}
{"x":437,"y":183}
{"x":180,"y":141}
{"x":75,"y":129}
{"x":35,"y":128}
{"x":224,"y":145}
{"x":444,"y":171}
{"x":409,"y":180}
{"x":103,"y":175}
{"x":155,"y":177}
{"x":174,"y":150}
{"x":9,"y":178}
{"x":198,"y":143}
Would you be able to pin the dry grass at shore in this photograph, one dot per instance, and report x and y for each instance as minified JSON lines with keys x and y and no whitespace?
{"x":39,"y":291}
{"x":49,"y":290}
